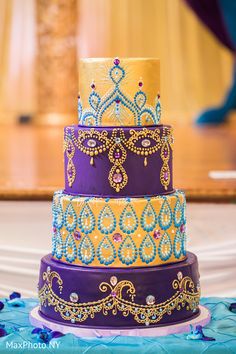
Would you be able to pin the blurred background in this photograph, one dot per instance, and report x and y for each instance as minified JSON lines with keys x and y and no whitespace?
{"x":195,"y":68}
{"x":41,"y":42}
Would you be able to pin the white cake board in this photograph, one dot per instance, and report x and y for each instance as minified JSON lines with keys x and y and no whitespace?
{"x":202,"y":319}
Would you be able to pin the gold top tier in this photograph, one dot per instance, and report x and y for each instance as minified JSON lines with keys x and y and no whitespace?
{"x":119,"y":92}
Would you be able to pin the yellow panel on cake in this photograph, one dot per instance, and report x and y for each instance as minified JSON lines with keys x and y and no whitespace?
{"x":119,"y":232}
{"x":119,"y":92}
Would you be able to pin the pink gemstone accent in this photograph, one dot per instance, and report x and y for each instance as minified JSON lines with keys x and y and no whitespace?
{"x":113,"y":293}
{"x":116,"y":61}
{"x":77,"y":235}
{"x":140,"y":84}
{"x":157,"y":234}
{"x":93,"y":86}
{"x":182,"y":228}
{"x":117,"y":178}
{"x":117,"y":101}
{"x":117,"y":237}
{"x":165,"y":176}
{"x":158,"y":96}
{"x":165,"y":153}
{"x":117,"y":154}
{"x":54,"y":229}
{"x":70,"y":172}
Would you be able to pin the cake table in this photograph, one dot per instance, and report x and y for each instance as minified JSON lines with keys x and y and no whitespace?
{"x":222,"y":327}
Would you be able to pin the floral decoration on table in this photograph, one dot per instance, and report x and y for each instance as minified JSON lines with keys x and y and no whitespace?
{"x":232,"y":307}
{"x":15,"y":300}
{"x":45,"y":334}
{"x":3,"y":331}
{"x":197,"y":334}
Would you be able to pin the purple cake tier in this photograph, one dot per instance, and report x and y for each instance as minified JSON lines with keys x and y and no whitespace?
{"x":124,"y":298}
{"x":115,"y":162}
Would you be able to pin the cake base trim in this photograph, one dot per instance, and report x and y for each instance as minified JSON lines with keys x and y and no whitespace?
{"x":185,"y":295}
{"x":122,"y":297}
{"x":203,"y":318}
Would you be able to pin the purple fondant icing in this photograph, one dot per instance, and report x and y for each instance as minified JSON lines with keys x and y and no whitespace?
{"x":155,"y":282}
{"x":92,"y":180}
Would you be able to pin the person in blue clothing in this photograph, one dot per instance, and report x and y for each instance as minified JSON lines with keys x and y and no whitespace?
{"x":220,"y":17}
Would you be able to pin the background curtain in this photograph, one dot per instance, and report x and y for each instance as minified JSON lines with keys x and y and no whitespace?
{"x":17,"y":58}
{"x":195,"y":69}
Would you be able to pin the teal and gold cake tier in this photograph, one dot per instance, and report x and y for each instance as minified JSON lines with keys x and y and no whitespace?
{"x":119,"y":232}
{"x":119,"y":92}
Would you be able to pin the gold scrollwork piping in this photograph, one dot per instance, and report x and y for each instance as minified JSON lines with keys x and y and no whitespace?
{"x":116,"y":144}
{"x":185,"y":296}
{"x":70,"y":168}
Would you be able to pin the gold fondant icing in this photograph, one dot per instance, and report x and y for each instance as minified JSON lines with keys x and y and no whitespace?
{"x":119,"y":232}
{"x":133,"y":75}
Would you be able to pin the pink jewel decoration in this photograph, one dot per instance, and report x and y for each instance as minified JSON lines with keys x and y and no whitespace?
{"x":140,"y":84}
{"x":182,"y":228}
{"x":165,"y":153}
{"x":117,"y":237}
{"x":70,"y":172}
{"x":117,"y":101}
{"x":117,"y":155}
{"x":158,"y":96}
{"x":54,"y":229}
{"x":69,"y":150}
{"x":116,"y":61}
{"x":113,"y":293}
{"x":93,"y":86}
{"x":166,"y":176}
{"x":77,"y":235}
{"x":157,"y":234}
{"x":117,"y":178}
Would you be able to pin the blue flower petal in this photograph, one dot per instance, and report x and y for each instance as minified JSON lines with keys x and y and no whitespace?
{"x":208,"y":339}
{"x":199,"y":329}
{"x":15,"y":295}
{"x":36,"y":330}
{"x":48,"y":329}
{"x":232,"y":307}
{"x":44,"y":335}
{"x":197,"y":334}
{"x":3,"y":332}
{"x":57,"y":334}
{"x":16,"y":302}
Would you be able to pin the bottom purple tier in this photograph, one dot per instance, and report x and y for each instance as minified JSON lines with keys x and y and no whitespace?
{"x":119,"y":297}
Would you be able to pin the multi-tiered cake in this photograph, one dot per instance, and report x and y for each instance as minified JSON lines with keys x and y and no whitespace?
{"x":119,"y":255}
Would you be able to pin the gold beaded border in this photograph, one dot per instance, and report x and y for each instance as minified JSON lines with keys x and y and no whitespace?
{"x":116,"y":144}
{"x":186,"y":296}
